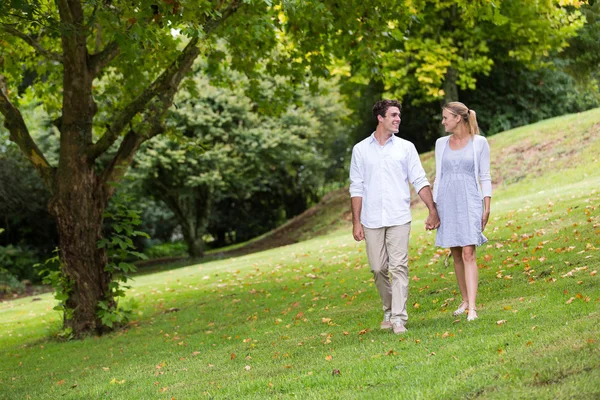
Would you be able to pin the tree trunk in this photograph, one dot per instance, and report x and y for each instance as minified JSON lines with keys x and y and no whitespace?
{"x":450,"y":93}
{"x":368,"y":95}
{"x":450,"y":88}
{"x":196,"y":220}
{"x":79,"y":215}
{"x":194,"y":243}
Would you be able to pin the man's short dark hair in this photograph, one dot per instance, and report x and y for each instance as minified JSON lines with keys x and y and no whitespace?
{"x":381,"y":107}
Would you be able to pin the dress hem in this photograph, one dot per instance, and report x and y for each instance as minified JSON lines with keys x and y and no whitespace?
{"x":460,"y":245}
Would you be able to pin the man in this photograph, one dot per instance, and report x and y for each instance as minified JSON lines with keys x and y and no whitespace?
{"x":382,"y":166}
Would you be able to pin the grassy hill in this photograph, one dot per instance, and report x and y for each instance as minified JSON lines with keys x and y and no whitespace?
{"x":537,"y":151}
{"x":301,"y":321}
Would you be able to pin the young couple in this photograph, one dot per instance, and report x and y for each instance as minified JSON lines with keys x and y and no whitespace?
{"x":382,"y":166}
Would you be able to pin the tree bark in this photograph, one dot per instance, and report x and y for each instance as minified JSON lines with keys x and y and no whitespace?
{"x":79,"y":215}
{"x":192,"y":212}
{"x":449,"y":87}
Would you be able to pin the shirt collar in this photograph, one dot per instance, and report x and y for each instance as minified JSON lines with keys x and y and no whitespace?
{"x":392,"y":139}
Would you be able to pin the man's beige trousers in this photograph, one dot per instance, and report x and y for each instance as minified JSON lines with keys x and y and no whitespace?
{"x":387,"y":250}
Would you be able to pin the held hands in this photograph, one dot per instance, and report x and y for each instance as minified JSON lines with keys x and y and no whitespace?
{"x":433,"y":221}
{"x":358,"y":232}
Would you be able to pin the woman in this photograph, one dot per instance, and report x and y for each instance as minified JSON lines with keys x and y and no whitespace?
{"x":462,"y":193}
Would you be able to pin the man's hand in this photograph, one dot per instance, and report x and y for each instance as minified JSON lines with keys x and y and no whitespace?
{"x":433,"y":220}
{"x":357,"y":228}
{"x":358,"y":232}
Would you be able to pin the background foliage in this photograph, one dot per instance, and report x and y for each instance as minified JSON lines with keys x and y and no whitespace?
{"x":248,"y":151}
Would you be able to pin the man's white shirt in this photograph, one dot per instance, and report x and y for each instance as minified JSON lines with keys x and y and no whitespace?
{"x":380,"y":175}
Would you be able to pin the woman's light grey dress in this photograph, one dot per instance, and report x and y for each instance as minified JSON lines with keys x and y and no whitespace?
{"x":459,"y":203}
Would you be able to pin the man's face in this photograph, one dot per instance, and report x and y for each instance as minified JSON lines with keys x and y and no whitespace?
{"x":391,"y":122}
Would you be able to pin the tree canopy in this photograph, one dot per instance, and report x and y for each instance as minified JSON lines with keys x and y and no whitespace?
{"x":107,"y":72}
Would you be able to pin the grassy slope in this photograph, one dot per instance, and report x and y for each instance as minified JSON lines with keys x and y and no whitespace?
{"x":283,"y":322}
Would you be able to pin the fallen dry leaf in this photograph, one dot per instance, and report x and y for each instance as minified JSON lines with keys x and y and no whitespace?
{"x":502,"y":321}
{"x":329,"y":358}
{"x":61,"y":382}
{"x":247,"y":368}
{"x":570,"y":300}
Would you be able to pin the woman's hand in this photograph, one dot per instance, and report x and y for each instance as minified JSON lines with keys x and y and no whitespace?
{"x":484,"y":220}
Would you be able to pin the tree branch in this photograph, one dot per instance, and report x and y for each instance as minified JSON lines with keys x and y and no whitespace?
{"x":114,"y":172}
{"x":33,"y":43}
{"x":19,"y":134}
{"x":100,"y":60}
{"x":161,"y":84}
{"x":169,"y":80}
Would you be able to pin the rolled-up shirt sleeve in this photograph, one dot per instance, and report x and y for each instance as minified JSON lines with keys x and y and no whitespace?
{"x":356,"y":174}
{"x":416,"y":173}
{"x":485,"y":178}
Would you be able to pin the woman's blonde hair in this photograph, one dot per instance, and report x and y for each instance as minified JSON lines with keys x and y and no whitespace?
{"x":468,"y":116}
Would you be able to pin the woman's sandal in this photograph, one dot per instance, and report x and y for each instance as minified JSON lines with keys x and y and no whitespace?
{"x":461,"y":309}
{"x":472,"y":314}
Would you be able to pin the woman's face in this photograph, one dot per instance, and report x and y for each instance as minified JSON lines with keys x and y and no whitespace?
{"x":449,"y":120}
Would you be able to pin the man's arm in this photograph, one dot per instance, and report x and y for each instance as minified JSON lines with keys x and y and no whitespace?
{"x":356,"y":193}
{"x":357,"y":228}
{"x":433,"y":220}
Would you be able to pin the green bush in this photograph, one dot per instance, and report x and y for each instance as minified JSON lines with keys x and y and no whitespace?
{"x":18,"y":262}
{"x":9,"y":283}
{"x":167,"y":250}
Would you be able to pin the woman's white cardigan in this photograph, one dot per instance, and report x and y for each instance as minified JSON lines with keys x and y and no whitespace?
{"x":481,"y":151}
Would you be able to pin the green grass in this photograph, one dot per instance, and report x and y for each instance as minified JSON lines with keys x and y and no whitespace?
{"x":283,"y":322}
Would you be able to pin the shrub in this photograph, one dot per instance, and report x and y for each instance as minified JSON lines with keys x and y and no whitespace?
{"x":167,"y":250}
{"x":9,"y":283}
{"x":18,"y":261}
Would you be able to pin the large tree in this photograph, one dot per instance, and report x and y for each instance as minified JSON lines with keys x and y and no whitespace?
{"x":107,"y":72}
{"x":450,"y":44}
{"x":224,"y":160}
